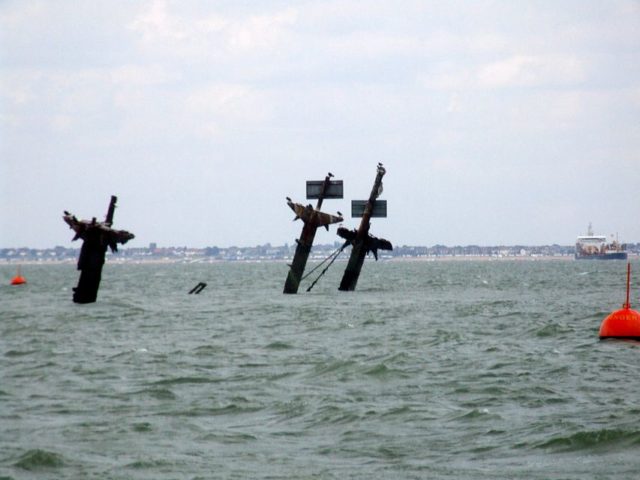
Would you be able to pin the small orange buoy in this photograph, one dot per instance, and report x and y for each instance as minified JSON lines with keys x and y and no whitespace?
{"x":18,"y":279}
{"x":623,"y":323}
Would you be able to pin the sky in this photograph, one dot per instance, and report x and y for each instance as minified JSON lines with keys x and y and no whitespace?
{"x":498,"y":122}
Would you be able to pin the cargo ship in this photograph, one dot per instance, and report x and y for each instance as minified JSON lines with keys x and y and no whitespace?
{"x":597,"y":247}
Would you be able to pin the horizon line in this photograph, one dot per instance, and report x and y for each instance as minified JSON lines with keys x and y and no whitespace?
{"x":288,"y":245}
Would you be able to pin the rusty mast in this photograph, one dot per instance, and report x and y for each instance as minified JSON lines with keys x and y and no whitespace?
{"x":312,"y":219}
{"x":362,"y":242}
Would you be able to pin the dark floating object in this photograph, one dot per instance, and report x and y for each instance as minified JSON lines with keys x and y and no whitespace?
{"x":360,"y":239}
{"x":96,"y":236}
{"x":312,"y":219}
{"x":198,"y":288}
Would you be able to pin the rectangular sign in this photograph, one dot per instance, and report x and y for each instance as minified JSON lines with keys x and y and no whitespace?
{"x":334,"y":189}
{"x":379,"y":208}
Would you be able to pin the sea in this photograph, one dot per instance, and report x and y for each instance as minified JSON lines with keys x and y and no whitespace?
{"x":429,"y":370}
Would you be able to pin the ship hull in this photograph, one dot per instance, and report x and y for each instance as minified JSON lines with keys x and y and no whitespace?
{"x":604,"y":256}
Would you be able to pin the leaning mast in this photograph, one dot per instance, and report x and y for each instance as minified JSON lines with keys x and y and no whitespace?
{"x":360,"y":239}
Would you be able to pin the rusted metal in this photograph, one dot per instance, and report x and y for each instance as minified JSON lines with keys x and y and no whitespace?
{"x":96,"y":237}
{"x":362,"y":242}
{"x":312,"y":219}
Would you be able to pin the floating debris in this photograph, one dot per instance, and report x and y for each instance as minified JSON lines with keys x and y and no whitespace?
{"x":198,"y":288}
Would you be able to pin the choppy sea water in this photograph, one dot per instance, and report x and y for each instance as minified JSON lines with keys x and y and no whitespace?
{"x":446,"y":370}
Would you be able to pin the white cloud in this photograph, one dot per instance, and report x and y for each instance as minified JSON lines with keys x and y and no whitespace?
{"x":142,"y":75}
{"x":374,"y":44}
{"x":17,"y":17}
{"x":455,"y":104}
{"x":262,"y":32}
{"x":61,"y":123}
{"x":634,"y":96}
{"x":156,"y":23}
{"x":518,"y":71}
{"x":532,"y":71}
{"x":17,"y":88}
{"x":448,"y":75}
{"x":222,"y":110}
{"x":212,"y":34}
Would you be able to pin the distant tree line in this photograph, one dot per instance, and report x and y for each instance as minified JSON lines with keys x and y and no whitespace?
{"x":269,"y":252}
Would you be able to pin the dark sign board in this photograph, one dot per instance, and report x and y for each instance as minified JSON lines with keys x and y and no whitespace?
{"x":379,"y":208}
{"x":334,"y":189}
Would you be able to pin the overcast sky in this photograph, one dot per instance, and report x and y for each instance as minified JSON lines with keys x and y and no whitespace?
{"x":499,"y":122}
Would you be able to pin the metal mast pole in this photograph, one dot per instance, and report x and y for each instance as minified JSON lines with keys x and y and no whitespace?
{"x":359,"y":250}
{"x":312,"y":219}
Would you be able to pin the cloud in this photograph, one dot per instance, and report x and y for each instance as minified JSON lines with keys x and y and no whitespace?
{"x":261,"y":32}
{"x":142,"y":75}
{"x":517,"y":71}
{"x":155,"y":24}
{"x":532,"y":71}
{"x":218,"y":108}
{"x":210,"y":34}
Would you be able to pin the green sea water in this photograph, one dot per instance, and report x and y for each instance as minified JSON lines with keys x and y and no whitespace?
{"x":443,"y":370}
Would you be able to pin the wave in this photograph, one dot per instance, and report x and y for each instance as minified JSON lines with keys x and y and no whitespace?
{"x":148,"y":464}
{"x":279,"y":346}
{"x":228,"y":438}
{"x":186,"y":380}
{"x":19,"y":353}
{"x":599,"y":440}
{"x":157,"y":393}
{"x":475,"y":414}
{"x":332,"y":367}
{"x":39,"y":460}
{"x":383,"y":372}
{"x":141,"y":427}
{"x":552,"y":330}
{"x":238,"y":406}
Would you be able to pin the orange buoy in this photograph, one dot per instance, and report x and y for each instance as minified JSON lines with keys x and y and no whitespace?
{"x":18,"y":279}
{"x":623,"y":323}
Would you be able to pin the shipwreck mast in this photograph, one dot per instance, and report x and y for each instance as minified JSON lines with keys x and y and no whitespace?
{"x":96,"y":238}
{"x":360,"y":239}
{"x":312,"y":219}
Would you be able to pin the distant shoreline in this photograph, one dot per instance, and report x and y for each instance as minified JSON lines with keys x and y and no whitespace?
{"x":285,"y":253}
{"x":114,"y":260}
